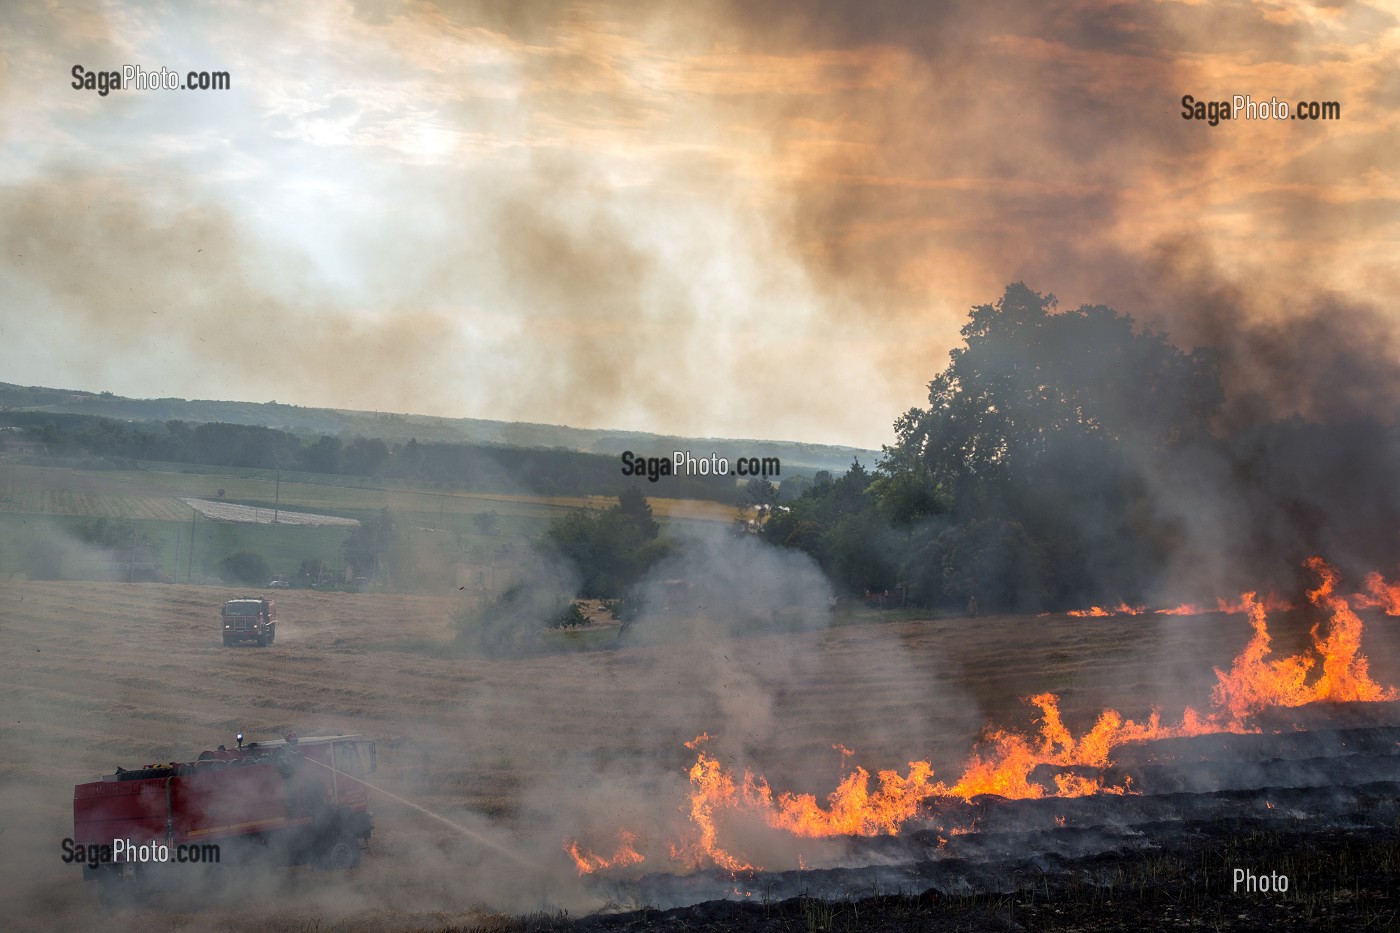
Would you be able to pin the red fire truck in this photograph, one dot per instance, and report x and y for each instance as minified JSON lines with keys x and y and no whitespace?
{"x":251,"y":618}
{"x":291,"y":801}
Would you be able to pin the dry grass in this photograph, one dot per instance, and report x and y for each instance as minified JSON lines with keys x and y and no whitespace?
{"x":98,"y":675}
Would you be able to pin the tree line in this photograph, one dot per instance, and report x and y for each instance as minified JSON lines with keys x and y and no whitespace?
{"x":1069,"y":458}
{"x":481,"y":467}
{"x":1065,"y":458}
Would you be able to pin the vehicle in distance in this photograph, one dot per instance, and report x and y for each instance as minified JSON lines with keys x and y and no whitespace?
{"x":288,"y":802}
{"x":279,"y":585}
{"x":251,"y":618}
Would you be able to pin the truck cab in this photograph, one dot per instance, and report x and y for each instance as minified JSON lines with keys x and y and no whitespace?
{"x":250,"y":618}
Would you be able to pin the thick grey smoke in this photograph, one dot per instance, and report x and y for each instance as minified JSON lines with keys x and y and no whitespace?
{"x":583,"y":215}
{"x":756,"y":628}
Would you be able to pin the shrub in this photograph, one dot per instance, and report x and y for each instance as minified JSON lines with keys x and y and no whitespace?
{"x":572,"y":616}
{"x":246,"y":567}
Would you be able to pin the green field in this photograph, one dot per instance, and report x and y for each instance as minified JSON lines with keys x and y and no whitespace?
{"x":30,"y":542}
{"x":41,"y":508}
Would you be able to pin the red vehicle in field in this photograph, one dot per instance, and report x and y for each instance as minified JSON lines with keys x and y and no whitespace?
{"x":252,"y":618}
{"x":291,"y":801}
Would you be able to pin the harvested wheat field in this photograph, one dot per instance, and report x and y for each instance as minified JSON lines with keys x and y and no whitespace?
{"x":493,"y":768}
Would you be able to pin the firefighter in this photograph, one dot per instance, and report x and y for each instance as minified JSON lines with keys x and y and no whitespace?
{"x":307,"y":795}
{"x":289,"y":759}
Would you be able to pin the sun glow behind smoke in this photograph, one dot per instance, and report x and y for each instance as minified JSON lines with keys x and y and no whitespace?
{"x":722,"y":804}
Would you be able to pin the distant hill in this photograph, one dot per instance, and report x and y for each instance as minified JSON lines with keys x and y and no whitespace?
{"x":393,"y":427}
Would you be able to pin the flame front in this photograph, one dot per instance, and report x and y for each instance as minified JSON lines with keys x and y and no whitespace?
{"x":1271,"y":602}
{"x":1255,"y":682}
{"x":588,"y":863}
{"x":1099,"y":612}
{"x":1346,"y":676}
{"x":1006,"y":762}
{"x":1380,"y":595}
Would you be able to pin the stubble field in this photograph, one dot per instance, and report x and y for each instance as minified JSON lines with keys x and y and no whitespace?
{"x":510,"y":757}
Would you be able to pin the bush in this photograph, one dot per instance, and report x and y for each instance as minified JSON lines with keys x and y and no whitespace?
{"x":571,"y":617}
{"x":103,"y":533}
{"x":624,"y":610}
{"x":991,"y":564}
{"x":312,"y":568}
{"x":510,"y":624}
{"x":245,"y":567}
{"x":612,"y":548}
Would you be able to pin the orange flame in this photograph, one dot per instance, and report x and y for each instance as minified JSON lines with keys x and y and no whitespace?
{"x":1271,"y":602}
{"x":712,"y":789}
{"x":1346,"y":675}
{"x":1255,"y":683}
{"x":1242,"y":606}
{"x":588,"y":863}
{"x":1380,"y":595}
{"x":1098,"y":612}
{"x":1006,"y":761}
{"x":1005,"y":769}
{"x":853,"y":808}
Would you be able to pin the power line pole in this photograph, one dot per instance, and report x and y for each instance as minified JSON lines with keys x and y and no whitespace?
{"x":189,"y":571}
{"x":277,"y":497}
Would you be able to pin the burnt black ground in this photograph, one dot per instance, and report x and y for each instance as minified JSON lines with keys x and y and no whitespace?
{"x":1316,"y":803}
{"x":1339,"y":880}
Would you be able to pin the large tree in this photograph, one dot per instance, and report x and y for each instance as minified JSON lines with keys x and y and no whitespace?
{"x":611,"y":548}
{"x":838,"y":523}
{"x":1043,"y":423}
{"x":371,"y":548}
{"x":1031,"y":383}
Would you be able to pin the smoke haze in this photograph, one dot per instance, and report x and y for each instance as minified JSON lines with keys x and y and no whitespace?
{"x":684,"y":220}
{"x":705,"y":219}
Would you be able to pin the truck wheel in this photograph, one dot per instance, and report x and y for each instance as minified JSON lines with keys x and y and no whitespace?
{"x":228,"y":642}
{"x":341,"y":854}
{"x":116,"y":889}
{"x":110,"y":888}
{"x":262,"y":641}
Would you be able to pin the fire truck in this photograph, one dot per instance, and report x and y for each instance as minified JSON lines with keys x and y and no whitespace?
{"x":291,"y":801}
{"x":251,"y":618}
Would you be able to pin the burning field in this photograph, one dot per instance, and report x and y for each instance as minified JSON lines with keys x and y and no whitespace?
{"x":764,"y":765}
{"x":1274,"y":724}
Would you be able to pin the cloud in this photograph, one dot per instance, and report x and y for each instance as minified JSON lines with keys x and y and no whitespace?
{"x":172,"y":281}
{"x":689,"y":220}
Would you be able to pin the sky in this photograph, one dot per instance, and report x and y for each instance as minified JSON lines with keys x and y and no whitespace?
{"x":758,"y":219}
